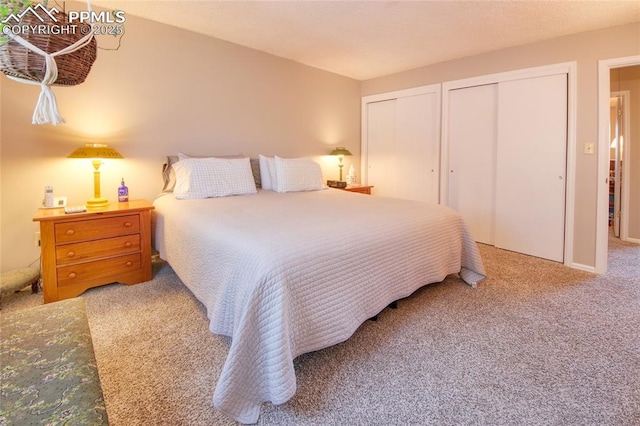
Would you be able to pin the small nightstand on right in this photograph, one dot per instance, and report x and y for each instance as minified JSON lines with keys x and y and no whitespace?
{"x":362,"y":189}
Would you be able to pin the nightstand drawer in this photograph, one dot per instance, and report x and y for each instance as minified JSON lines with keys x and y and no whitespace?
{"x":98,"y":249}
{"x":98,"y":271}
{"x":85,"y":230}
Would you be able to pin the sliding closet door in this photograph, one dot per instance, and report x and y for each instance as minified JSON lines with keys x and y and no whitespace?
{"x":401,"y":139}
{"x":381,"y":147}
{"x":531,"y":166}
{"x":472,"y":157}
{"x":418,"y":147}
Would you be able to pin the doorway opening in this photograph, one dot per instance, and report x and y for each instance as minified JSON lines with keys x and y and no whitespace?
{"x":628,"y":169}
{"x":619,"y":129}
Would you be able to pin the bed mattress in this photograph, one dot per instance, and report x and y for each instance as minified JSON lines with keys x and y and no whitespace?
{"x":284,"y":274}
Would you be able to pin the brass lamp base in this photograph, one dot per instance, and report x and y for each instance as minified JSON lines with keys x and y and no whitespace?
{"x":97,"y":202}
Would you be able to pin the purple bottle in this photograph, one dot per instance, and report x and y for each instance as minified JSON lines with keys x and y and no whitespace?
{"x":123,"y":192}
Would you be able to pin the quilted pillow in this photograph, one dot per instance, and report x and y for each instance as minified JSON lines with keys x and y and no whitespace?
{"x":168,"y":173}
{"x":297,"y":174}
{"x":213,"y":177}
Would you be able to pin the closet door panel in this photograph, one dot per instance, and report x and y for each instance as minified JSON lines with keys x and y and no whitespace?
{"x":418,"y":147}
{"x":472,"y":156}
{"x":531,"y":166}
{"x":381,"y":147}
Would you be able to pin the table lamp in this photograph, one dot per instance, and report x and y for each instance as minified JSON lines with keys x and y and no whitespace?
{"x":95,"y":152}
{"x":340,"y":151}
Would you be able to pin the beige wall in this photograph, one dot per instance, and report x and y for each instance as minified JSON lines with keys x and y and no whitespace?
{"x":586,"y":49}
{"x":165,"y":90}
{"x":622,"y":79}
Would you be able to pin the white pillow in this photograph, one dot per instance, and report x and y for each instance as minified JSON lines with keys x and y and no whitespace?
{"x":272,"y":173}
{"x":213,"y":177}
{"x":297,"y":174}
{"x":182,"y":156}
{"x":266,"y":165}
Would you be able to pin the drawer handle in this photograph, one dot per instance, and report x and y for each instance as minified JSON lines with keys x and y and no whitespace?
{"x":70,"y":232}
{"x":127,"y":224}
{"x":128,"y":244}
{"x":72,"y":275}
{"x":71,"y":254}
{"x":129,"y":263}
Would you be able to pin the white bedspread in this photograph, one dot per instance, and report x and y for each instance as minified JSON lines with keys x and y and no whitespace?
{"x":286,"y":274}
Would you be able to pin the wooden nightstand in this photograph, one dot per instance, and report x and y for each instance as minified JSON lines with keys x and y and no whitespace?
{"x":100,"y":246}
{"x":360,"y":189}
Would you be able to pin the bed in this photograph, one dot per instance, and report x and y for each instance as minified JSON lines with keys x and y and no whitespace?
{"x":284,"y":273}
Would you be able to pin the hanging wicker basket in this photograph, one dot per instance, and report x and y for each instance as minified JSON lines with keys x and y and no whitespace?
{"x":73,"y":68}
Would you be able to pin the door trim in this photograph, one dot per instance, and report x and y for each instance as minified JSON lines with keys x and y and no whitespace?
{"x":602,"y":200}
{"x":568,"y":68}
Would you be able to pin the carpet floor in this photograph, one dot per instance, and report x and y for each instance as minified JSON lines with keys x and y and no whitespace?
{"x":536,"y":343}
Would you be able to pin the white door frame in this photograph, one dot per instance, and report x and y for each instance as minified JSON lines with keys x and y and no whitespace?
{"x":602,"y":214}
{"x":569,"y":68}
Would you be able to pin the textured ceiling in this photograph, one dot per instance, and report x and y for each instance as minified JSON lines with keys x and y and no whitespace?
{"x":367,"y":39}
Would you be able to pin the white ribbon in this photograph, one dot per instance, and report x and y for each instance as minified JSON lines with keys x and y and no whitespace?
{"x":46,"y":110}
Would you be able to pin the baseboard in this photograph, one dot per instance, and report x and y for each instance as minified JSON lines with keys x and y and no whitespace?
{"x":587,"y":268}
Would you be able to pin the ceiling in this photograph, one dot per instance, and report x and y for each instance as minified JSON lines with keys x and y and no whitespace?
{"x":367,"y":39}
